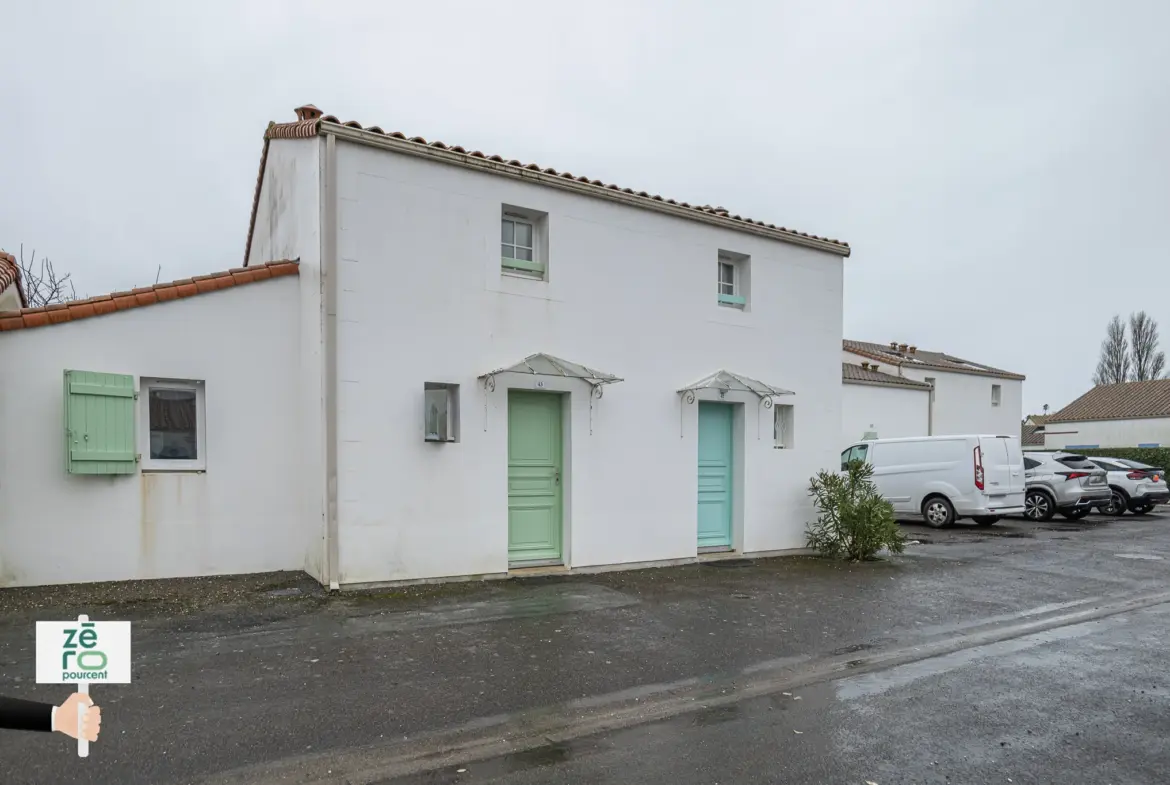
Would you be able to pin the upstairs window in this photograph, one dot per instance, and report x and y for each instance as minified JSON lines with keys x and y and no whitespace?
{"x":524,"y":243}
{"x":733,"y":280}
{"x":996,"y":394}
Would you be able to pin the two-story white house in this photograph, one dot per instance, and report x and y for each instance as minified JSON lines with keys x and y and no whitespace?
{"x":939,"y":394}
{"x":475,"y":367}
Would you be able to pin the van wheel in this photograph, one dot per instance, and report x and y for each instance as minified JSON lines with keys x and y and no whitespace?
{"x":1038,"y":506}
{"x":986,"y":520}
{"x":938,"y":512}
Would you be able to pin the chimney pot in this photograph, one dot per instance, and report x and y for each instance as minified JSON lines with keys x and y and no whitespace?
{"x":865,"y":365}
{"x":894,"y":345}
{"x":913,"y":349}
{"x":902,"y":347}
{"x":875,"y":366}
{"x":307,"y":112}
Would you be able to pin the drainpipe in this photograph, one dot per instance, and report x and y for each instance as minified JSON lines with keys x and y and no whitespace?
{"x":329,"y":280}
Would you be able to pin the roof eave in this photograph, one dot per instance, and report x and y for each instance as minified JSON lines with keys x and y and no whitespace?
{"x":1109,"y":419}
{"x":898,"y":385}
{"x":373,"y":139}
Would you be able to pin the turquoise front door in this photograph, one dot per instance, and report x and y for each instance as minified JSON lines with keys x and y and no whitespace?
{"x":715,"y":465}
{"x":534,"y":478}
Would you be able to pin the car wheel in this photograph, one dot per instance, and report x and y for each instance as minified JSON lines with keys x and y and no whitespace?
{"x":1117,"y":504}
{"x":1038,"y":506}
{"x":986,"y":520}
{"x":938,"y":512}
{"x":1075,"y":515}
{"x":1144,"y":509}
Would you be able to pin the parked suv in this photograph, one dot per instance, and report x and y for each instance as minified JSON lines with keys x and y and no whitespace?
{"x":1134,"y":486}
{"x":1062,"y":482}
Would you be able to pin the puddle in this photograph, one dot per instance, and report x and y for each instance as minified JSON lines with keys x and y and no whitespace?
{"x":1141,"y":556}
{"x":293,"y":592}
{"x":717,"y":715}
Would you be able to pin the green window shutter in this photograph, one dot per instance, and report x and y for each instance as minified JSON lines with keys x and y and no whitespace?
{"x":99,"y":423}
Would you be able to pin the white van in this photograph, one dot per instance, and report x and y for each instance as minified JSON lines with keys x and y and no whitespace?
{"x":945,"y":478}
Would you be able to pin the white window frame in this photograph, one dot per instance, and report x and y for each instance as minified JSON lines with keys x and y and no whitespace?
{"x":537,"y":267}
{"x":784,"y":426}
{"x":163,"y":464}
{"x":737,"y":297}
{"x":996,"y":394}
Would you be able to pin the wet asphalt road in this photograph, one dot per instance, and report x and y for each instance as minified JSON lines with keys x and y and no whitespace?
{"x":689,"y":665}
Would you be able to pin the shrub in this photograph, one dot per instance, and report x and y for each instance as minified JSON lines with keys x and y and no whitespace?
{"x":854,"y":521}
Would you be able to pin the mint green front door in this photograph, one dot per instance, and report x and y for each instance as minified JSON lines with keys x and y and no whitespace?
{"x":715,"y":465}
{"x":534,"y":478}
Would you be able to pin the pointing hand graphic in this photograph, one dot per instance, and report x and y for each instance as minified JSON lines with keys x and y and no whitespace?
{"x":65,"y":718}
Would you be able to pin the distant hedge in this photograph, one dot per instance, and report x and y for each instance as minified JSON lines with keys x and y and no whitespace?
{"x":1154,"y":456}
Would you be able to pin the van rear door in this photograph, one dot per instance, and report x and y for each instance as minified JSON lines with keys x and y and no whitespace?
{"x":1003,"y":465}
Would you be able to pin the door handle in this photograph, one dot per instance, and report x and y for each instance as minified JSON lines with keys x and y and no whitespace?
{"x":557,"y":476}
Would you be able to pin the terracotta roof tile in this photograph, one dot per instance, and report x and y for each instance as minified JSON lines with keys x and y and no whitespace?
{"x":138,"y":298}
{"x":310,"y":120}
{"x":913,"y":357}
{"x":1126,"y":401}
{"x":10,"y":274}
{"x":855,"y":374}
{"x":1031,"y":436}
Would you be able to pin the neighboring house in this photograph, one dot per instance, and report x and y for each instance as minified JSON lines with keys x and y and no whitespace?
{"x":11,"y":288}
{"x":875,"y":404}
{"x":1131,"y":414}
{"x":1032,"y":430}
{"x":479,"y":366}
{"x":968,"y":397}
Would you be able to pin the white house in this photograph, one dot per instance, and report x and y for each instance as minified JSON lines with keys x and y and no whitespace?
{"x":479,"y":367}
{"x":968,"y":397}
{"x":11,"y":291}
{"x":1132,"y":414}
{"x":875,"y":402}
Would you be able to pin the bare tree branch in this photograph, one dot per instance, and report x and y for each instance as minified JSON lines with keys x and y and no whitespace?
{"x":42,"y":285}
{"x":1114,"y":365}
{"x":1148,"y":361}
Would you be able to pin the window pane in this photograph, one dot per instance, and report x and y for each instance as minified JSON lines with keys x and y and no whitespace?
{"x":524,"y":234}
{"x":508,"y":232}
{"x":523,"y":253}
{"x":436,"y":414}
{"x":173,"y":426}
{"x":508,"y":251}
{"x":726,"y":288}
{"x":726,"y":274}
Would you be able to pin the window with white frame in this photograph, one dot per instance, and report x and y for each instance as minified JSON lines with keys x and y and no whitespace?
{"x":523,"y":242}
{"x":733,"y":280}
{"x":174,"y":431}
{"x":996,"y":393}
{"x":783,"y":417}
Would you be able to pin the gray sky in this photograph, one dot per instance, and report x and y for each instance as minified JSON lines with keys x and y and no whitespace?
{"x":1000,"y":168}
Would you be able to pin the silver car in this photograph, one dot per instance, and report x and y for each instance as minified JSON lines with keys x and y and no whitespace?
{"x":1062,"y":482}
{"x":1134,"y":486}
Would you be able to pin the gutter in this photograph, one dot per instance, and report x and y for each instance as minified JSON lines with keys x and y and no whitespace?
{"x":406,"y":147}
{"x":329,"y":325}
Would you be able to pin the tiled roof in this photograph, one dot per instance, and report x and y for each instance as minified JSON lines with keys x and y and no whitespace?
{"x":1126,"y":401}
{"x":913,"y":357}
{"x":855,"y":374}
{"x":137,"y":298}
{"x":10,"y":274}
{"x":310,"y":121}
{"x":1031,"y":436}
{"x":1038,"y":419}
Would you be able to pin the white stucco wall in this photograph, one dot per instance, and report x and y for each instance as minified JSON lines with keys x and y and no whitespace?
{"x":9,"y":298}
{"x":288,"y":226}
{"x":630,"y":292}
{"x":962,"y":403}
{"x":242,"y":515}
{"x":1107,"y":433}
{"x":890,"y":411}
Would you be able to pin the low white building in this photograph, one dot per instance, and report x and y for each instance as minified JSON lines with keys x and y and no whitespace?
{"x":967,"y":397}
{"x":480,"y":367}
{"x":881,"y":404}
{"x":1132,"y":414}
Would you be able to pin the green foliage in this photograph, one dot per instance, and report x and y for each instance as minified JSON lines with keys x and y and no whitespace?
{"x":1154,"y":456}
{"x":854,"y":521}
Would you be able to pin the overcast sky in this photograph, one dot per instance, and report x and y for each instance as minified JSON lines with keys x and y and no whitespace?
{"x":1001,"y":168}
